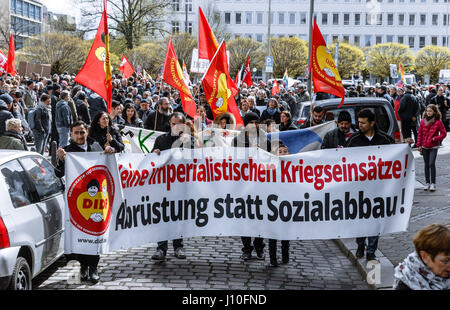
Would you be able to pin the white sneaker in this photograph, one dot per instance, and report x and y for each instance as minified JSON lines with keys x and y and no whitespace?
{"x":426,"y":187}
{"x":432,"y":187}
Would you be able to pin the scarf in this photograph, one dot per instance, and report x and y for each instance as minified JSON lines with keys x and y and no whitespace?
{"x":429,"y":120}
{"x":417,"y":276}
{"x":271,"y":111}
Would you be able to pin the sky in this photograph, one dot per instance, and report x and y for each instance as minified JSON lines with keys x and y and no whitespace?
{"x":68,"y":7}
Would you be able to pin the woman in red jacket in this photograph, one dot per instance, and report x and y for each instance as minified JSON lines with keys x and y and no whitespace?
{"x":431,"y":134}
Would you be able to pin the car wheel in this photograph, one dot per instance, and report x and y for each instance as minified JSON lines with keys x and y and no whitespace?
{"x":21,"y":277}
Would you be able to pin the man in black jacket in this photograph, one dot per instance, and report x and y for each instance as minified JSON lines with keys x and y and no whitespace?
{"x":408,"y":111}
{"x":252,"y":136}
{"x":159,"y":119}
{"x":176,"y":137}
{"x":336,"y":138}
{"x":80,"y":142}
{"x":368,"y":135}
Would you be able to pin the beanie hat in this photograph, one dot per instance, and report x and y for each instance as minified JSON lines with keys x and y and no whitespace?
{"x":344,"y":116}
{"x":250,"y":116}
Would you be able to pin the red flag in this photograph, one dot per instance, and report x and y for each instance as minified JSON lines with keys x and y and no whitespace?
{"x":3,"y":63}
{"x":325,"y":75}
{"x":96,"y":71}
{"x":247,"y":78}
{"x":219,"y":87}
{"x":207,"y":42}
{"x":173,"y":75}
{"x":275,"y":88}
{"x":126,"y":68}
{"x":11,"y":57}
{"x":236,"y":79}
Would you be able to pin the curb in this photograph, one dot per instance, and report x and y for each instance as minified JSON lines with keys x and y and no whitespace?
{"x":378,"y":274}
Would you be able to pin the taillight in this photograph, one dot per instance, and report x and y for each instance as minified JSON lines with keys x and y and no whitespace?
{"x":397,"y":136}
{"x":4,"y":237}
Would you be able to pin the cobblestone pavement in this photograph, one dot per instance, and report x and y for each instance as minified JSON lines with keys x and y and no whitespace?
{"x":429,"y":207}
{"x":213,"y":263}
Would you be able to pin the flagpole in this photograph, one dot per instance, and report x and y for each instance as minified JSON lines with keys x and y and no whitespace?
{"x":311,"y":10}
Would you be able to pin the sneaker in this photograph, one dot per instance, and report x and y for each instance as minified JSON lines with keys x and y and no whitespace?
{"x":432,"y":187}
{"x":360,"y":251}
{"x":93,"y":276}
{"x":159,"y":255}
{"x":246,"y":256}
{"x":370,"y":256}
{"x":426,"y":187}
{"x":179,"y":253}
{"x":260,"y":255}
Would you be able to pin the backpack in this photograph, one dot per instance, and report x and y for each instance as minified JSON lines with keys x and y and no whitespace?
{"x":30,"y":118}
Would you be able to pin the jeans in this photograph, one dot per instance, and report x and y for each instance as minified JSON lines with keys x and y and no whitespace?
{"x":163,"y":245}
{"x":372,"y":243}
{"x":40,"y":141}
{"x":258,"y":244}
{"x":64,"y":135}
{"x":429,"y":157}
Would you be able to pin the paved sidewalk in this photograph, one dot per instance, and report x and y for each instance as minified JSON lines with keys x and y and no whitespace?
{"x":214,"y":263}
{"x":428,"y":207}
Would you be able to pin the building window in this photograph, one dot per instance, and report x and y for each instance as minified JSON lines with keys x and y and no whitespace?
{"x":357,"y":19}
{"x":238,"y":18}
{"x":445,"y":19}
{"x":367,"y":40}
{"x":378,"y":40}
{"x":189,"y":27}
{"x":176,"y":5}
{"x":324,"y":18}
{"x":412,"y":19}
{"x":401,"y":39}
{"x":227,"y":18}
{"x":346,"y":39}
{"x":292,"y":18}
{"x":259,"y":37}
{"x":302,"y":18}
{"x":433,"y":40}
{"x":335,"y":18}
{"x":444,"y":41}
{"x":401,"y":19}
{"x":421,"y":42}
{"x":259,"y":18}
{"x":346,"y":19}
{"x":390,"y":19}
{"x":411,"y":41}
{"x":356,"y":40}
{"x":379,"y":19}
{"x":189,"y":5}
{"x":26,"y":13}
{"x":335,"y":38}
{"x":13,"y":6}
{"x":389,"y":39}
{"x":271,"y":18}
{"x":434,"y":19}
{"x":248,"y":18}
{"x":281,"y":18}
{"x":175,"y":27}
{"x":423,"y":19}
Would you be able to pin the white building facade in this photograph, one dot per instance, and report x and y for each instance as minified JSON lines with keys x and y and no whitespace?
{"x":416,"y":23}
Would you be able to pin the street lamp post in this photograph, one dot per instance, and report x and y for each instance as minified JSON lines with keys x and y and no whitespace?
{"x":265,"y":78}
{"x":311,"y":11}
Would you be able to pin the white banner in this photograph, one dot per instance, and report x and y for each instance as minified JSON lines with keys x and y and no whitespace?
{"x":125,"y":200}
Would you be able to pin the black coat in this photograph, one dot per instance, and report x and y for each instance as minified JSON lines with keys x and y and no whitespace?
{"x":99,"y":135}
{"x":167,"y":141}
{"x":83,"y":111}
{"x":359,"y":139}
{"x":242,"y":140}
{"x":290,"y":126}
{"x":276,"y":117}
{"x":157,"y":121}
{"x":4,"y":116}
{"x":96,"y":105}
{"x":42,"y":119}
{"x":409,"y":107}
{"x":334,"y":139}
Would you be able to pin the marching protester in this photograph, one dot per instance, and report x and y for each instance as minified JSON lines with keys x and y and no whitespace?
{"x":5,"y":114}
{"x":428,"y":267}
{"x":442,"y":102}
{"x":408,"y":112}
{"x":286,"y":122}
{"x":42,"y":123}
{"x":116,"y":113}
{"x":272,"y":111}
{"x":103,"y":131}
{"x":158,"y":120}
{"x":177,"y":137}
{"x":367,"y":135}
{"x":12,"y":138}
{"x":431,"y":133}
{"x":131,"y":116}
{"x":317,"y":118}
{"x":63,"y":118}
{"x":80,"y":142}
{"x":82,"y":107}
{"x":337,"y":138}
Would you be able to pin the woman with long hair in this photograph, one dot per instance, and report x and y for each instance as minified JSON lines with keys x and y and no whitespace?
{"x":104,"y":133}
{"x":131,"y":117}
{"x":431,"y":134}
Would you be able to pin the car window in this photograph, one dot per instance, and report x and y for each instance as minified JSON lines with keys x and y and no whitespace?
{"x":305,"y":111}
{"x":335,"y":114}
{"x":381,"y":116}
{"x":15,"y":180}
{"x":43,"y":175}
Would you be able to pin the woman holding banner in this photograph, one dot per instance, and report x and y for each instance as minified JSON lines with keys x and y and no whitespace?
{"x":104,"y":133}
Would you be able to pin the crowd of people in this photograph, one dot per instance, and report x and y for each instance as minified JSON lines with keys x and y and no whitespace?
{"x":39,"y":110}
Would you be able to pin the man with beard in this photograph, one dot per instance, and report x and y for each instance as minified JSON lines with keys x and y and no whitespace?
{"x":159,"y":119}
{"x":336,"y":138}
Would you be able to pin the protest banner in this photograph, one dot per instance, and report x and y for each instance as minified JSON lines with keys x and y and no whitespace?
{"x":126,"y":200}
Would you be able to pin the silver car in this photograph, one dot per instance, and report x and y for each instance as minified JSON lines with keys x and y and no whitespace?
{"x":31,"y":217}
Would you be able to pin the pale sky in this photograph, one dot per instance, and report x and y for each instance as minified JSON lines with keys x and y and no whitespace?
{"x":68,"y":7}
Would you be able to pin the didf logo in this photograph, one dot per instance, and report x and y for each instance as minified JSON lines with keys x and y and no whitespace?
{"x":90,"y":199}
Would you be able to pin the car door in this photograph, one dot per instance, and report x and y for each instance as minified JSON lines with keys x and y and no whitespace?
{"x":28,"y":229}
{"x":50,"y":190}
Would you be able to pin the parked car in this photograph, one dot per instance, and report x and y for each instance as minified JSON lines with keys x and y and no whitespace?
{"x":384,"y":113}
{"x":31,"y":218}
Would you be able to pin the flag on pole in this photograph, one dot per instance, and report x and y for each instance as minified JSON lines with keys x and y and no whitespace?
{"x":275,"y":88}
{"x":3,"y":63}
{"x":325,"y":76}
{"x":237,"y":79}
{"x":173,"y":75}
{"x":186,"y":74}
{"x":219,"y":88}
{"x":286,"y":79}
{"x":247,"y":76}
{"x":10,"y":66}
{"x":207,"y":42}
{"x":146,"y":75}
{"x":96,"y":72}
{"x":126,"y":68}
{"x":402,"y":74}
